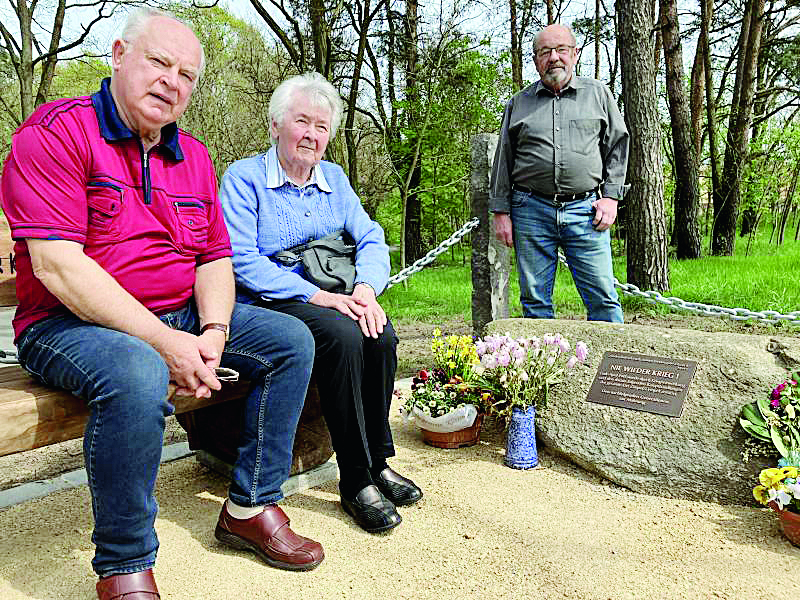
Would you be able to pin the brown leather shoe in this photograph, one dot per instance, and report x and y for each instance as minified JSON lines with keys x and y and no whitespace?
{"x":269,"y":536}
{"x":130,"y":586}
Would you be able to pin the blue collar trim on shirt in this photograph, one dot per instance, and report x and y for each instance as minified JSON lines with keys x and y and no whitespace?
{"x":113,"y":129}
{"x":276,"y":176}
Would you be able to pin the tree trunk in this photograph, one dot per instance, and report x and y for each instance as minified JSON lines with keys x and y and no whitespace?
{"x":687,"y":188}
{"x":362,"y":26}
{"x":706,"y":11}
{"x":413,"y":206}
{"x":597,"y":39}
{"x":787,"y":204}
{"x":648,"y":267}
{"x":698,"y":90}
{"x":516,"y":46}
{"x":320,"y":36}
{"x":726,"y":199}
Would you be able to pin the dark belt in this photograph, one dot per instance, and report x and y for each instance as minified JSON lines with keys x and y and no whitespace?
{"x":555,"y":198}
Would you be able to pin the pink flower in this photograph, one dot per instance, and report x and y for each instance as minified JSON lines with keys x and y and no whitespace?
{"x":503,"y":359}
{"x":581,"y":351}
{"x":572,"y":362}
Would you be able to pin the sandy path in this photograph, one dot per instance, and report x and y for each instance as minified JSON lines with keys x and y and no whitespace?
{"x":482,"y":531}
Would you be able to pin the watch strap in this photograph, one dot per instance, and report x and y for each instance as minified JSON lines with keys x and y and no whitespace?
{"x":218,"y":326}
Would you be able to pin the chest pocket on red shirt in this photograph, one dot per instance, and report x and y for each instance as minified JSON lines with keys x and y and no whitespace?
{"x":193,"y":225}
{"x":105,"y":201}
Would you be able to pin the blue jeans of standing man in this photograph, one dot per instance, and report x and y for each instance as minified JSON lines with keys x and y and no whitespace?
{"x":125,"y":384}
{"x":539,"y":227}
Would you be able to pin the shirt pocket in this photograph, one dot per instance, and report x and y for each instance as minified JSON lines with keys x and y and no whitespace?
{"x":584,"y":135}
{"x":192,"y":224}
{"x":105,"y":204}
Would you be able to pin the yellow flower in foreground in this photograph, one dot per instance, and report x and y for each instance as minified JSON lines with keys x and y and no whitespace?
{"x":437,"y":332}
{"x":790,"y":472}
{"x":760,"y":494}
{"x":771,"y":477}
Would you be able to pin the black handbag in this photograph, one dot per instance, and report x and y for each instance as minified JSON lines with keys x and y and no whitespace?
{"x":329,"y":262}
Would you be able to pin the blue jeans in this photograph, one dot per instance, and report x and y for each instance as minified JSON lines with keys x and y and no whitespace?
{"x":125,"y":384}
{"x":539,"y":228}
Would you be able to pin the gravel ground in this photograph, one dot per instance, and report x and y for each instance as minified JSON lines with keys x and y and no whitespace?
{"x":482,"y":531}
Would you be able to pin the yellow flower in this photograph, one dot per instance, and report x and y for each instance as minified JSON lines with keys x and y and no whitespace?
{"x":790,"y":472}
{"x":760,"y":494}
{"x":771,"y":477}
{"x":437,"y":332}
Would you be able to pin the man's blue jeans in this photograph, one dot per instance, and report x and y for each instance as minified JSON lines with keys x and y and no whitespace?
{"x":539,"y":228}
{"x":125,"y":383}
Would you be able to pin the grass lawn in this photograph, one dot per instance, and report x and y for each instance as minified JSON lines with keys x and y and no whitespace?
{"x":767,"y":279}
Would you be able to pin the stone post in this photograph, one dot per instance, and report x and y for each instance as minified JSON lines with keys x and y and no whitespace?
{"x":490,"y":258}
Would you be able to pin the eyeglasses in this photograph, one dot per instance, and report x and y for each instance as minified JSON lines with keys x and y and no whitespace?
{"x":561,"y":50}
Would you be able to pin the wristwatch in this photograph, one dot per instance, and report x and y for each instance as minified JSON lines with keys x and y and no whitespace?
{"x":219,"y":326}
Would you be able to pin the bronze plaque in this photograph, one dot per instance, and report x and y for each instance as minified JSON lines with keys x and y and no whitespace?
{"x":648,"y":383}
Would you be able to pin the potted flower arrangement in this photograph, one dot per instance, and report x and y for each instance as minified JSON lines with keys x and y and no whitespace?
{"x":779,"y":489}
{"x":519,"y":373}
{"x":774,"y":421}
{"x":445,"y":402}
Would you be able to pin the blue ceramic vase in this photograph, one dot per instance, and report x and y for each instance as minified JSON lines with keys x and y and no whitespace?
{"x":521,"y":439}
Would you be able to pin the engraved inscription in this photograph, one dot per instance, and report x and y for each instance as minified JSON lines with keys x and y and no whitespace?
{"x":648,"y":383}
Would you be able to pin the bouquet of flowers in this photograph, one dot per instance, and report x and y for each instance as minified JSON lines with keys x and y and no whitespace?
{"x":520,"y":372}
{"x":445,"y":397}
{"x":779,"y":485}
{"x":775,"y":420}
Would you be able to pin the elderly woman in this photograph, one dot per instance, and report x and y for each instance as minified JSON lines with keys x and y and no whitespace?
{"x":283,"y":198}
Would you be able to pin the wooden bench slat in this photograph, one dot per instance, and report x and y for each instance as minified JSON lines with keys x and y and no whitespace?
{"x":33,"y":415}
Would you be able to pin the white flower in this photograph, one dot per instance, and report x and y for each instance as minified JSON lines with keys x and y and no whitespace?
{"x":780,"y":496}
{"x":794,"y":488}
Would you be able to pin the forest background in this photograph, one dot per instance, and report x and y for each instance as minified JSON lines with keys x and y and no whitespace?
{"x":709,"y":90}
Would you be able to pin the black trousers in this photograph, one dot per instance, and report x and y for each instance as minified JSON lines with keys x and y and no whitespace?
{"x":355,"y":379}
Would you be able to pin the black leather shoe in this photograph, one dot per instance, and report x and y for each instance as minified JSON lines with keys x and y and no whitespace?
{"x":400,"y":490}
{"x":371,"y":510}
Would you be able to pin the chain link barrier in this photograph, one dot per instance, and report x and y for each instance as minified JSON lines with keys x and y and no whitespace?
{"x":433,"y":254}
{"x":709,"y":310}
{"x":770,"y":317}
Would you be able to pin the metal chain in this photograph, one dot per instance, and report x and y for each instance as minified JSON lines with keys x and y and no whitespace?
{"x":710,"y":310}
{"x":707,"y":310}
{"x":433,"y":254}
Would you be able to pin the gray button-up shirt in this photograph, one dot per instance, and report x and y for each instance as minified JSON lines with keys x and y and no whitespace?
{"x":564,"y":144}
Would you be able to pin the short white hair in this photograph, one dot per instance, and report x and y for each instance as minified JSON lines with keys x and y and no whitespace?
{"x":315,"y":88}
{"x":137,"y":21}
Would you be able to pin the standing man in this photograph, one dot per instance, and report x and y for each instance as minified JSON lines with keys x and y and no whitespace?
{"x":558,"y":174}
{"x":125,"y":283}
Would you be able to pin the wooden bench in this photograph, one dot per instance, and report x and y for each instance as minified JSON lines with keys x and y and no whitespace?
{"x":33,"y":415}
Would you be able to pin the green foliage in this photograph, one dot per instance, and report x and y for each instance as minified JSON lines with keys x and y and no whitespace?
{"x":229,"y":107}
{"x":776,"y":418}
{"x":766,"y":279}
{"x":79,"y":77}
{"x":462,"y":91}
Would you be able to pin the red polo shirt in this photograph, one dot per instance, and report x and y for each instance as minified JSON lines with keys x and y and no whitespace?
{"x":76,"y":172}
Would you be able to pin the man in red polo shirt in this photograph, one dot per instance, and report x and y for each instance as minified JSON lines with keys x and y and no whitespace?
{"x":125,"y":283}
